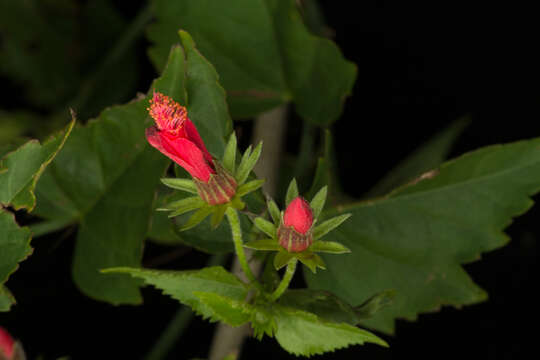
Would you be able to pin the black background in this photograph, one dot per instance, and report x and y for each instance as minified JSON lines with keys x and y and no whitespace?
{"x":420,"y":66}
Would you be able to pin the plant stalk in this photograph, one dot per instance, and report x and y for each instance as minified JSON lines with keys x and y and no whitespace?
{"x":284,"y":284}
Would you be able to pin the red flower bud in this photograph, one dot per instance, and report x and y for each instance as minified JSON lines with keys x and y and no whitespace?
{"x":177,"y":138}
{"x":6,"y":344}
{"x":294,"y":233}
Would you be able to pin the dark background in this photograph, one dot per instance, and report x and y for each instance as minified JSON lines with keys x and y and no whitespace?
{"x":420,"y":66}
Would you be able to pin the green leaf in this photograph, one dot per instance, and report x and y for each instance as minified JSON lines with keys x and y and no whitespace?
{"x":292,"y":192}
{"x":6,"y":299}
{"x":107,"y":177}
{"x":229,"y":157}
{"x":21,"y":169}
{"x":183,"y":206}
{"x":324,"y":228}
{"x":232,"y":312}
{"x":282,"y":258}
{"x":186,"y":185}
{"x":330,"y":247}
{"x":374,"y":304}
{"x":265,"y":226}
{"x":248,"y":162}
{"x":426,"y":157}
{"x":264,"y":244}
{"x":303,"y":333}
{"x":249,"y":187}
{"x":317,"y":203}
{"x":415,"y":239}
{"x":15,"y":247}
{"x":274,"y":211}
{"x":255,"y":48}
{"x":197,"y":218}
{"x":187,"y":286}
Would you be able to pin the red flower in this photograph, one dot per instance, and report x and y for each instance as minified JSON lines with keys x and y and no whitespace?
{"x":177,"y":137}
{"x":294,"y":233}
{"x":6,"y":344}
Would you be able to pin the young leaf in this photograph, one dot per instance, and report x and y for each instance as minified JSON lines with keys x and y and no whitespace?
{"x":229,"y":157}
{"x":292,"y":192}
{"x":415,"y":239}
{"x":303,"y":333}
{"x":330,"y":247}
{"x":324,"y":228}
{"x":249,"y":187}
{"x":265,"y":244}
{"x":186,"y":185}
{"x":317,"y":203}
{"x":185,"y":286}
{"x":274,"y":211}
{"x":265,"y":226}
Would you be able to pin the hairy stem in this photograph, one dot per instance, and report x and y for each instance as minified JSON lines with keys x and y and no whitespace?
{"x":284,"y":284}
{"x":234,"y":222}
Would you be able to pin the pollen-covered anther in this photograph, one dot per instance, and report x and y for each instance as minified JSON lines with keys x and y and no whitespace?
{"x":167,"y":113}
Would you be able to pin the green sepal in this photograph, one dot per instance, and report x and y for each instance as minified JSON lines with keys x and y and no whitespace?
{"x":282,"y":258}
{"x":292,"y":192}
{"x":182,"y":206}
{"x":330,"y":247}
{"x":247,"y":163}
{"x":229,"y":157}
{"x":250,"y":186}
{"x":264,"y":245}
{"x":374,"y":304}
{"x":274,"y":211}
{"x":324,"y":228}
{"x":265,"y":226}
{"x":218,"y":214}
{"x":197,"y":217}
{"x":181,"y":184}
{"x":317,"y":203}
{"x":311,"y":260}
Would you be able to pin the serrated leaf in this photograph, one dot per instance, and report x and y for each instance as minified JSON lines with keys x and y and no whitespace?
{"x":107,"y":177}
{"x":330,"y":247}
{"x":317,"y":203}
{"x":266,"y":56}
{"x":265,"y":226}
{"x":183,"y":285}
{"x":6,"y":299}
{"x":303,"y":333}
{"x":229,"y":157}
{"x":324,"y":228}
{"x":186,"y":185}
{"x":21,"y":169}
{"x":292,"y":192}
{"x":282,"y":258}
{"x":249,"y":187}
{"x":232,"y":312}
{"x":264,"y":244}
{"x":415,"y":239}
{"x":14,"y":248}
{"x":248,"y":162}
{"x":273,"y":210}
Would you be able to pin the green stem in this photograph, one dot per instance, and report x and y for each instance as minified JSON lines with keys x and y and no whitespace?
{"x":284,"y":284}
{"x":236,"y":230}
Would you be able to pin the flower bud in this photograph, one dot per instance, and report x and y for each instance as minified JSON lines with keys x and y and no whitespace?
{"x":294,"y":233}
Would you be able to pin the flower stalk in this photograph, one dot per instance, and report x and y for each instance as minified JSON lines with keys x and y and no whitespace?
{"x":285,"y":281}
